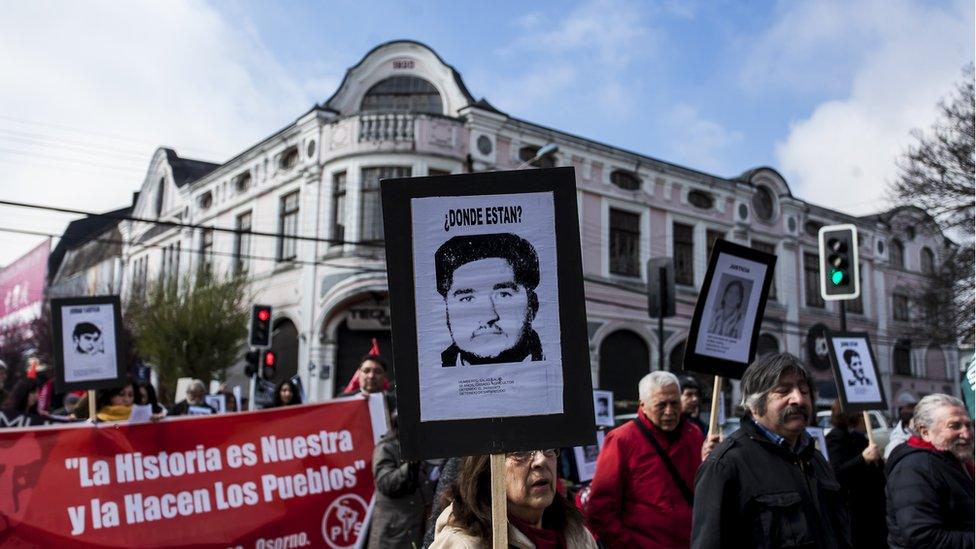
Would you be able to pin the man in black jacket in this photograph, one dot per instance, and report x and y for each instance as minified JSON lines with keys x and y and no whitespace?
{"x":930,"y":479}
{"x":767,"y":485}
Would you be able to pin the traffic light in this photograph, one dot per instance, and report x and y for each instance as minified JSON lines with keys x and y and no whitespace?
{"x":251,"y":360}
{"x":839,"y":278}
{"x":259,"y":334}
{"x":660,"y":287}
{"x":268,"y":364}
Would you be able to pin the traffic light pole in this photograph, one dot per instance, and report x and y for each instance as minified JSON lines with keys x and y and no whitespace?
{"x":843,"y":315}
{"x":250,"y":392}
{"x":660,"y":317}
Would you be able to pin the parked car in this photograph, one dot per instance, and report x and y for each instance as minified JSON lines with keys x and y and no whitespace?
{"x":880,"y":427}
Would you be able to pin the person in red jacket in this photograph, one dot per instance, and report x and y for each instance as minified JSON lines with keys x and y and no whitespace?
{"x":641,"y":494}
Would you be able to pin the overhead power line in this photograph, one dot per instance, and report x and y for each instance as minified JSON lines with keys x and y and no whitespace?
{"x":190,"y":250}
{"x":121,"y":217}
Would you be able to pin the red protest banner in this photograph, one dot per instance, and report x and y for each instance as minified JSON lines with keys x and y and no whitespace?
{"x":288,"y":477}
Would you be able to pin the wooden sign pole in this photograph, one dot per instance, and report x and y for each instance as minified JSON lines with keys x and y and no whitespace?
{"x":92,"y":405}
{"x":713,"y":415}
{"x":867,"y":427}
{"x":499,"y":503}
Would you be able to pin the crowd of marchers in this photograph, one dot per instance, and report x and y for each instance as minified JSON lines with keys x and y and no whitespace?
{"x":662,"y":481}
{"x":31,"y":400}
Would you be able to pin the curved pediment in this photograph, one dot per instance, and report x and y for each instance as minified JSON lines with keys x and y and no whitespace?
{"x":400,"y":58}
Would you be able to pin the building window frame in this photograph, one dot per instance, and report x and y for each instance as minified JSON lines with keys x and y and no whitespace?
{"x":242,"y":242}
{"x":811,"y":281}
{"x":370,"y":201}
{"x":626,"y":234}
{"x":338,"y":206}
{"x":683,"y":252}
{"x":206,"y":250}
{"x":900,"y":306}
{"x":289,"y":208}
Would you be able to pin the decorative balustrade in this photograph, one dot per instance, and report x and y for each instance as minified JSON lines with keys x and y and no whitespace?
{"x":386,"y":127}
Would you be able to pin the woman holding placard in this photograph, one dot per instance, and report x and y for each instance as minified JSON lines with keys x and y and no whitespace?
{"x":538,"y":516}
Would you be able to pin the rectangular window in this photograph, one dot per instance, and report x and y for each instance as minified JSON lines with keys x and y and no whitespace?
{"x":339,"y":207}
{"x":684,"y":254}
{"x":206,"y":250}
{"x":811,"y":279}
{"x":624,"y":243}
{"x":242,"y":243}
{"x":899,"y":307}
{"x":711,"y":237}
{"x":769,"y":249}
{"x":371,"y":214}
{"x":288,"y":226}
{"x":434,"y":171}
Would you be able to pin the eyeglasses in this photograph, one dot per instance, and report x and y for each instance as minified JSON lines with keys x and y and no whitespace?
{"x":525,"y":457}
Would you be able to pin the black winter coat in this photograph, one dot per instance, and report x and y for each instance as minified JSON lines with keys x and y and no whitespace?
{"x":751,"y":492}
{"x":930,"y":500}
{"x":403,"y":494}
{"x":863,"y":485}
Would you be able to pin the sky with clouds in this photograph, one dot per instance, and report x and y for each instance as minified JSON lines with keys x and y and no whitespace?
{"x":825,"y":91}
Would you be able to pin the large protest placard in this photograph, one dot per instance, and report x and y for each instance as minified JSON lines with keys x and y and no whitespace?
{"x":729,"y":311}
{"x":87,"y":338}
{"x":855,"y":372}
{"x":293,"y":476}
{"x":489,"y":326}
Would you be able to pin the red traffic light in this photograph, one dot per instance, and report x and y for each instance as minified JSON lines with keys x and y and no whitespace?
{"x":270,"y":359}
{"x":264,"y":315}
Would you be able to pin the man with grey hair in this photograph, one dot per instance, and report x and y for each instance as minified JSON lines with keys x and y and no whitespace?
{"x":641,"y":494}
{"x":767,"y":485}
{"x":194,"y":404}
{"x":930,"y":478}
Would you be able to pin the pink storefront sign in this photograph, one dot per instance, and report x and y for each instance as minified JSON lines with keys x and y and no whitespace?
{"x":22,"y":282}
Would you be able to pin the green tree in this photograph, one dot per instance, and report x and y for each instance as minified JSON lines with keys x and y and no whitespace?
{"x":936,"y":174}
{"x":192,"y":329}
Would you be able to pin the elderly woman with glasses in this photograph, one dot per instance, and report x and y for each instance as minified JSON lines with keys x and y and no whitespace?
{"x":538,"y":516}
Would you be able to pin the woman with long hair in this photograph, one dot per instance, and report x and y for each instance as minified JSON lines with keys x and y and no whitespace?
{"x":22,"y":399}
{"x":538,"y":516}
{"x":115,"y":403}
{"x":286,"y":394}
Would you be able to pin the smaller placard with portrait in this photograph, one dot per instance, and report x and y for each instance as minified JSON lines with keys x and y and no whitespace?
{"x":729,"y":311}
{"x":603,"y":408}
{"x":856,"y":372}
{"x":87,"y":341}
{"x":584,"y":458}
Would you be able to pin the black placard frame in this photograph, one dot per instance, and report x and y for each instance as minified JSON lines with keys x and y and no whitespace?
{"x":432,"y":439}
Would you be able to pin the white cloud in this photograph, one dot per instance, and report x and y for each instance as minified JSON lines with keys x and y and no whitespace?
{"x":153,"y":73}
{"x":896,"y":59}
{"x":584,"y":53}
{"x":696,"y":141}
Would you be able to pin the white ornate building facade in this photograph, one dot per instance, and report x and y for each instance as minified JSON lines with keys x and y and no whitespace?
{"x":402,"y":111}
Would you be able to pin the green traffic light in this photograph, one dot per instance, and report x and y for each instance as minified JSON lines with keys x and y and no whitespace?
{"x":837,"y":277}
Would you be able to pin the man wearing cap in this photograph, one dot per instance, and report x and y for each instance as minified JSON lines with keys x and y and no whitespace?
{"x":900,"y":432}
{"x":488,"y":282}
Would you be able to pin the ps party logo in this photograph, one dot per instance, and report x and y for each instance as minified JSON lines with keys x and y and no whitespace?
{"x":343,"y":521}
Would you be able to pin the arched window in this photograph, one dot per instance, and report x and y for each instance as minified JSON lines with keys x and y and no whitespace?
{"x":901,"y":358}
{"x":624,"y":360}
{"x":927,"y":261}
{"x":627,"y":181}
{"x":763,"y":203}
{"x":896,"y":254}
{"x":402,"y":94}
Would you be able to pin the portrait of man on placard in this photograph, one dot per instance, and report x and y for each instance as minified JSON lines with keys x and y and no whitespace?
{"x":852,"y":359}
{"x":488,"y":283}
{"x":87,"y":339}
